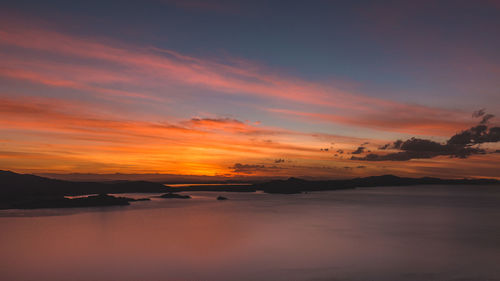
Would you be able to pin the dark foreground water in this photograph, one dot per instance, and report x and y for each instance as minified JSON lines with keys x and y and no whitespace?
{"x":388,"y":233}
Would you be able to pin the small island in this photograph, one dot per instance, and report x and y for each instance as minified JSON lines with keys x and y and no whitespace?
{"x":175,"y":196}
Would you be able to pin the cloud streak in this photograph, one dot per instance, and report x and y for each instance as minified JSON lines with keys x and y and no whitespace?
{"x":82,"y":136}
{"x":98,"y":66}
{"x":424,"y":122}
{"x":251,"y":169}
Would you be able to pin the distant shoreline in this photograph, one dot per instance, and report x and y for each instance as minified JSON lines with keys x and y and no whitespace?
{"x":29,"y":191}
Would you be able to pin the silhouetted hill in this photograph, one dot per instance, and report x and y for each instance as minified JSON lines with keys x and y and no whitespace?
{"x":295,"y":185}
{"x":17,"y":186}
{"x":29,"y":191}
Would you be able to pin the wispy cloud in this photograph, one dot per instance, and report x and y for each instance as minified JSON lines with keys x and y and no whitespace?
{"x":86,"y":136}
{"x":110,"y":68}
{"x":422,"y":122}
{"x":251,"y":168}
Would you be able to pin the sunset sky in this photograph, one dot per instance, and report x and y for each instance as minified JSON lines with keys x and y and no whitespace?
{"x":318,"y":89}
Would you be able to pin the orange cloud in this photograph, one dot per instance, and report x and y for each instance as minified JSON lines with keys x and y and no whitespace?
{"x":41,"y":78}
{"x":82,"y":136}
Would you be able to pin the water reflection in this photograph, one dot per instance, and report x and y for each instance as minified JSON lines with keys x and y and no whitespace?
{"x":408,"y":233}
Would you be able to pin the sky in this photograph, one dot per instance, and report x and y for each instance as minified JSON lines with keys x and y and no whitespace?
{"x":318,"y":89}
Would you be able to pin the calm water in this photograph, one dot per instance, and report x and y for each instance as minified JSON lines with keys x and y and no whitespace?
{"x":205,"y":184}
{"x":390,"y":233}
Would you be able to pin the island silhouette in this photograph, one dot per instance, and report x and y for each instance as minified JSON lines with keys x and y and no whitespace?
{"x":25,"y":191}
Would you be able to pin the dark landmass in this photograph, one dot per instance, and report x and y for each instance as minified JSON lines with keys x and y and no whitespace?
{"x":221,"y":198}
{"x":175,"y":195}
{"x":15,"y":185}
{"x":136,"y":200}
{"x":162,"y":178}
{"x":295,"y":185}
{"x":100,"y":200}
{"x":29,"y":191}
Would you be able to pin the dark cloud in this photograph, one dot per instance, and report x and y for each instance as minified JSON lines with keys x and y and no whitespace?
{"x":250,"y":169}
{"x":279,"y":161}
{"x":486,"y":118}
{"x":482,"y":113}
{"x":385,"y":146}
{"x":340,"y":151}
{"x":357,"y":167}
{"x":216,"y":120}
{"x":395,"y":145}
{"x":359,"y":150}
{"x":324,"y":149}
{"x":479,"y":113}
{"x":461,"y":145}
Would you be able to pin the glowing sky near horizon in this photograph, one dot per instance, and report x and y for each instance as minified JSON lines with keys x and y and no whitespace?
{"x":244,"y":88}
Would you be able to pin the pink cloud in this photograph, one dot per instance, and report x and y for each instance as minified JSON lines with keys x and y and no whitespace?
{"x":402,"y":122}
{"x":152,"y":65}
